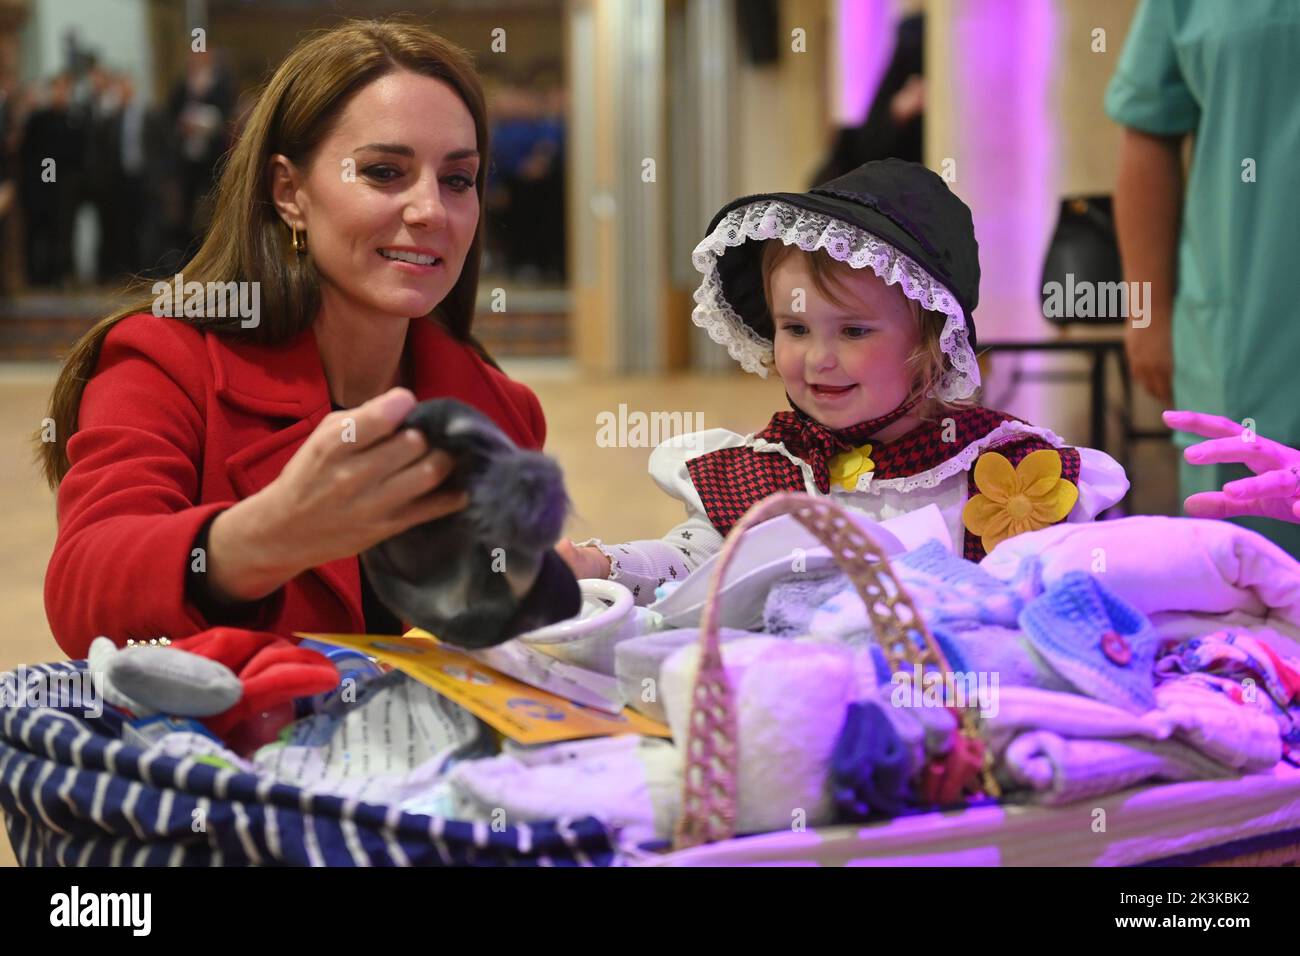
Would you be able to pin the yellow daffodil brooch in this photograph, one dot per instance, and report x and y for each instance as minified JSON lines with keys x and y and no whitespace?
{"x":1012,"y":500}
{"x":846,"y":467}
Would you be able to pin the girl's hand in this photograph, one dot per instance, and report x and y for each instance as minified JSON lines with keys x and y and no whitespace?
{"x":1274,"y":492}
{"x":585,"y":562}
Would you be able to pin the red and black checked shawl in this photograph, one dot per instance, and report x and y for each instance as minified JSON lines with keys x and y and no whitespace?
{"x":731,"y":480}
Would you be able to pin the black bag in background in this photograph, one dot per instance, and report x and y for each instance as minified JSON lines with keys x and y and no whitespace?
{"x":1083,"y":246}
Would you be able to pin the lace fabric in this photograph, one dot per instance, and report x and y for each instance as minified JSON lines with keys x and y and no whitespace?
{"x":773,"y":219}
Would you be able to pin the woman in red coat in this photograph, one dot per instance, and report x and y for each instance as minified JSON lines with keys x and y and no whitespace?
{"x":203,"y":477}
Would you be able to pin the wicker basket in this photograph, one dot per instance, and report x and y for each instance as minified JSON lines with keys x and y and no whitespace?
{"x":712,"y":755}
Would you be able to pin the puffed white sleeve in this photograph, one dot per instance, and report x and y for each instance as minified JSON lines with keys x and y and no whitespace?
{"x":1102,"y":483}
{"x":644,"y":565}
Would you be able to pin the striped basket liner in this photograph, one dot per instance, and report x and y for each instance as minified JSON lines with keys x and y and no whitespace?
{"x":74,"y":795}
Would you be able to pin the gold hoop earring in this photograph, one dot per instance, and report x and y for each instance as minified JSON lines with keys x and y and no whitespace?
{"x":299,"y":240}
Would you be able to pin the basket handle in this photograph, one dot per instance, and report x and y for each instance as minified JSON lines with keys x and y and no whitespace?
{"x":708,"y":811}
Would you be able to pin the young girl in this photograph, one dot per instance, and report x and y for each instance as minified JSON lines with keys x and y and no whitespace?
{"x":860,"y":294}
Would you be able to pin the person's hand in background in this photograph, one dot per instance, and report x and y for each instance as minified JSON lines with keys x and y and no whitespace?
{"x":1149,"y":351}
{"x":1149,"y":192}
{"x":1274,"y":492}
{"x":909,"y":102}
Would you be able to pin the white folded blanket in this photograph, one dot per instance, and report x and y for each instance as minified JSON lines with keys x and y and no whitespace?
{"x":1018,"y":709}
{"x":1239,"y":737}
{"x":790,"y":698}
{"x":1061,"y":770}
{"x":638,"y":662}
{"x":630,"y":783}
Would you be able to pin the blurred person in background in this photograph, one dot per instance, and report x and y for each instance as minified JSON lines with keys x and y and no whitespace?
{"x":130,"y":207}
{"x":538,"y":207}
{"x":9,"y":101}
{"x":98,"y":110}
{"x":200,"y":108}
{"x":526,"y":187}
{"x":894,"y":122}
{"x":49,"y":191}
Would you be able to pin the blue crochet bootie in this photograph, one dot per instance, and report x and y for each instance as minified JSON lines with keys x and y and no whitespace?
{"x":1102,"y":645}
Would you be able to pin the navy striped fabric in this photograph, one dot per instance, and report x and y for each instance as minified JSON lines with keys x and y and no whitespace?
{"x":74,"y":795}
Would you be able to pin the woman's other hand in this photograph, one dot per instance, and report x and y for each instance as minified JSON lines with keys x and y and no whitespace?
{"x":1274,"y":492}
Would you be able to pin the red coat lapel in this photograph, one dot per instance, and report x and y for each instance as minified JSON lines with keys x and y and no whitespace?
{"x":446,"y":368}
{"x":287,"y":382}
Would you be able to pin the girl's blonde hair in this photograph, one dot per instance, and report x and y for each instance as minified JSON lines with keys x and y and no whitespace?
{"x":247,"y":241}
{"x":927,"y":362}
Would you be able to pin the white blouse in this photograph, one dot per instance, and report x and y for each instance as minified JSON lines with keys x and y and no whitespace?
{"x":644,"y":565}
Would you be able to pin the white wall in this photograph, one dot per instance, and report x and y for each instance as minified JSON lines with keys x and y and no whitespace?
{"x":118,"y":30}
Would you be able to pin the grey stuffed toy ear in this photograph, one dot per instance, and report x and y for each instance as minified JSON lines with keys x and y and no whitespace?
{"x":486,"y":574}
{"x":163,"y":680}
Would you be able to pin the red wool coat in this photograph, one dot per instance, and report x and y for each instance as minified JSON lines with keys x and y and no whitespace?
{"x":176,"y":425}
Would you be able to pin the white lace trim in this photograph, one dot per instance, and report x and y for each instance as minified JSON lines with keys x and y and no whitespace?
{"x":773,"y":219}
{"x":606,"y":551}
{"x":960,"y":462}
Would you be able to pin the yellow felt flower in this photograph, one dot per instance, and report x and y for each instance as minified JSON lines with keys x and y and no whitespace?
{"x":848,"y":465}
{"x":1013,"y":500}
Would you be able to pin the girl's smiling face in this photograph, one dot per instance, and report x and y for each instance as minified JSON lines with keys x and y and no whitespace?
{"x":388,"y":201}
{"x":847,"y":362}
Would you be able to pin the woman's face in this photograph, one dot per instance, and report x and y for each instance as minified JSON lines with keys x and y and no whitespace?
{"x":388,"y":202}
{"x":842,"y":364}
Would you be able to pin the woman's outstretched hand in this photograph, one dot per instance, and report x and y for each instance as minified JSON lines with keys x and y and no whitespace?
{"x":356,"y":481}
{"x":1274,"y":492}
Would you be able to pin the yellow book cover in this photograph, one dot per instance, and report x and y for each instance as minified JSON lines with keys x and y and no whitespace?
{"x":527,"y":715}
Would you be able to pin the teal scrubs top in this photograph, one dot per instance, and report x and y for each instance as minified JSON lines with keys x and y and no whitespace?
{"x":1229,"y":74}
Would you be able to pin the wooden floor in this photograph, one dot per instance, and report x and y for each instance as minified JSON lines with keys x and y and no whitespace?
{"x":613,"y":496}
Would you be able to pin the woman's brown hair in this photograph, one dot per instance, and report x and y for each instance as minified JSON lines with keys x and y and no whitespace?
{"x":248,"y":241}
